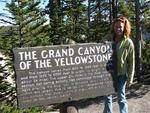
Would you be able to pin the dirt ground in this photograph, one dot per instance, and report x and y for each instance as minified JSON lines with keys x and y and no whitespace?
{"x":138,"y":98}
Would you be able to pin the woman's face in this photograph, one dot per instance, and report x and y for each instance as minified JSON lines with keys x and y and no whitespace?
{"x":118,"y":29}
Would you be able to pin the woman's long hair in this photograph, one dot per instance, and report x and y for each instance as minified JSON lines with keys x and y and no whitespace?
{"x":127,"y":25}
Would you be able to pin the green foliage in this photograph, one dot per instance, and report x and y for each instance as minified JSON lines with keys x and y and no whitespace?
{"x":145,"y":24}
{"x":68,"y":21}
{"x":7,"y":108}
{"x":146,"y":53}
{"x":27,"y":29}
{"x":75,"y":20}
{"x":100,"y":24}
{"x":126,"y":8}
{"x":30,"y":25}
{"x":145,"y":10}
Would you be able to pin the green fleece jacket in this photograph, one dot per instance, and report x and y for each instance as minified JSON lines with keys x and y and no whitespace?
{"x":126,"y":58}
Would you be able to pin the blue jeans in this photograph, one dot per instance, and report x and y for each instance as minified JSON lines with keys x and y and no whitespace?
{"x":121,"y":86}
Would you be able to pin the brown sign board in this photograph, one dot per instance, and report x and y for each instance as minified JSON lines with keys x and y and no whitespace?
{"x":57,"y":74}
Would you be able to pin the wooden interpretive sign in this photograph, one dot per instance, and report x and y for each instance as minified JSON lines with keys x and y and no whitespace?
{"x":56,"y":74}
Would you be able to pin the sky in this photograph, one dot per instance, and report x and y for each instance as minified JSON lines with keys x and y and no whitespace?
{"x":2,"y":5}
{"x":2,"y":10}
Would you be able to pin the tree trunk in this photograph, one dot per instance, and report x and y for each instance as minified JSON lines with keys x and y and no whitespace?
{"x":110,"y":12}
{"x":138,"y":42}
{"x":89,"y":20}
{"x":114,"y":8}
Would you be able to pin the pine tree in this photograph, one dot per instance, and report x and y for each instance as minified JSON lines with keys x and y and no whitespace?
{"x":100,"y":20}
{"x":54,"y":12}
{"x":127,"y":9}
{"x":30,"y":24}
{"x":67,"y":20}
{"x":145,"y":24}
{"x":27,"y":28}
{"x":76,"y":20}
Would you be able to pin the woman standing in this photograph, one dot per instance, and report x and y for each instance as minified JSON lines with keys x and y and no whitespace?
{"x":125,"y":63}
